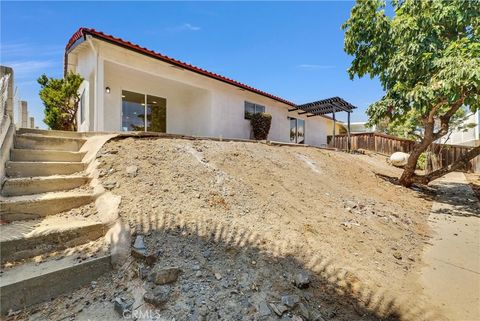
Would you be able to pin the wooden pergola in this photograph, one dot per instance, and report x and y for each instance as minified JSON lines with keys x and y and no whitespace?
{"x":324,"y":107}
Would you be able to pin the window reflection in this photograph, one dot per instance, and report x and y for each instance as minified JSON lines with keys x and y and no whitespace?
{"x":156,"y":114}
{"x":297,"y":130}
{"x":133,"y":111}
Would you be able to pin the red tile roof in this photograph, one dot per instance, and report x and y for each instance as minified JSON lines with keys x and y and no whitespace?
{"x":82,"y":32}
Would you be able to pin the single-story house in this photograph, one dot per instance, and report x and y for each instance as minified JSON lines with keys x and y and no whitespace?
{"x":123,"y":82}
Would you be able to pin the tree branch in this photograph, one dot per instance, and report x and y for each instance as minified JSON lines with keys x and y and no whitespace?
{"x":445,"y":119}
{"x":461,"y":162}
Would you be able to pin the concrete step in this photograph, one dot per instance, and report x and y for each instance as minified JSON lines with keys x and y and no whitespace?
{"x":43,"y":132}
{"x":42,"y":184}
{"x":32,"y":141}
{"x":29,"y":169}
{"x":32,"y":283}
{"x":23,"y":239}
{"x":33,"y":155}
{"x":39,"y":205}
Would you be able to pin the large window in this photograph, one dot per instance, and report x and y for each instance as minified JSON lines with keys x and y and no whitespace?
{"x":297,"y":130}
{"x":134,"y":108}
{"x":156,"y":114}
{"x":251,"y":108}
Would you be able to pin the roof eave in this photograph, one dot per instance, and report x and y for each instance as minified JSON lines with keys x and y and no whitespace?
{"x":76,"y":39}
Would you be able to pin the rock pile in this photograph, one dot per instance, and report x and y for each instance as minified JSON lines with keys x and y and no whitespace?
{"x":194,"y":279}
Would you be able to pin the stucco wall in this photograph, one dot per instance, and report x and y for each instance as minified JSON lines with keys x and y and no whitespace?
{"x":196,"y":105}
{"x":469,"y":137}
{"x":83,"y":62}
{"x":187,"y":107}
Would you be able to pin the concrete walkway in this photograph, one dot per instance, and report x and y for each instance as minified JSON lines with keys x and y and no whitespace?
{"x":451,"y":277}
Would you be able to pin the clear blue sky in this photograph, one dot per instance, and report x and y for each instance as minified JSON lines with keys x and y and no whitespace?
{"x":293,"y":50}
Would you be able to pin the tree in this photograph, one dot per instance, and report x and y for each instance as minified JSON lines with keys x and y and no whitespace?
{"x":61,"y":99}
{"x":427,"y":58}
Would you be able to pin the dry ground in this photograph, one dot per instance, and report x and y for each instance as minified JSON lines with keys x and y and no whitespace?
{"x":474,"y":180}
{"x":278,"y":210}
{"x":299,"y":200}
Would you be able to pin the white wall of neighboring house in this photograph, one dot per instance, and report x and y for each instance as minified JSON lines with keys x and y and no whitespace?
{"x":360,"y":127}
{"x":470,"y":137}
{"x":196,"y":104}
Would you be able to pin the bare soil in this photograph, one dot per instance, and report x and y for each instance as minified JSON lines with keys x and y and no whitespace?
{"x":264,"y":213}
{"x":474,"y":181}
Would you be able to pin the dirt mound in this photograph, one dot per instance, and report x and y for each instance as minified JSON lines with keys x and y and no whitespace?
{"x":263,"y":214}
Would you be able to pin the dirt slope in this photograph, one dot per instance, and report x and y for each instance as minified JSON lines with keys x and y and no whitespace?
{"x":266,"y":212}
{"x":312,"y":201}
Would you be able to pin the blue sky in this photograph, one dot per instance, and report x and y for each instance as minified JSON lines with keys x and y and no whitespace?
{"x":290,"y":49}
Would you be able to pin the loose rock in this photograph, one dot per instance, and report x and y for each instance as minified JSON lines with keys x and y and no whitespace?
{"x":110,"y":184}
{"x":302,"y":280}
{"x":132,"y":170}
{"x":166,"y":275}
{"x":263,"y":309}
{"x":279,"y":309}
{"x":397,"y":255}
{"x":123,"y":306}
{"x":158,"y":296}
{"x":139,"y":243}
{"x":290,"y":300}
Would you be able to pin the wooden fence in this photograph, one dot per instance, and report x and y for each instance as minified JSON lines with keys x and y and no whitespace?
{"x":440,"y":155}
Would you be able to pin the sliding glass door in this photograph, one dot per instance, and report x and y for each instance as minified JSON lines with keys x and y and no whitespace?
{"x":300,"y":131}
{"x":297,"y":131}
{"x":133,"y":111}
{"x":142,"y":112}
{"x":156,"y":114}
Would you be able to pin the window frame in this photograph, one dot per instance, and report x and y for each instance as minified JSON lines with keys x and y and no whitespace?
{"x":296,"y":130}
{"x":255,"y":106}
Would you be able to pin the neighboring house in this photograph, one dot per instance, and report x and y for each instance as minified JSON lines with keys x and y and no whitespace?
{"x":470,"y":137}
{"x":124,"y":81}
{"x":359,"y":127}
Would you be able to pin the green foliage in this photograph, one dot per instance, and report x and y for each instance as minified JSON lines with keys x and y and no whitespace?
{"x":427,"y":58}
{"x":261,"y":123}
{"x":60,"y":98}
{"x":410,"y":127}
{"x":422,"y":161}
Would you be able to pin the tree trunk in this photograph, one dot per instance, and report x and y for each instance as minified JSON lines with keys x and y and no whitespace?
{"x":461,"y":162}
{"x":409,"y":170}
{"x":407,"y":178}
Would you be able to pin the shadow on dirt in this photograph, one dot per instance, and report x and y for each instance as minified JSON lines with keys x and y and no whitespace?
{"x":460,"y":197}
{"x":238,"y":275}
{"x":461,"y":200}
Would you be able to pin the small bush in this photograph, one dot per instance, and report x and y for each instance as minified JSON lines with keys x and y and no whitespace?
{"x":261,"y":123}
{"x":422,"y":161}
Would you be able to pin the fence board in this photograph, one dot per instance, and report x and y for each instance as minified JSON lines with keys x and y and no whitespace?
{"x":440,"y":156}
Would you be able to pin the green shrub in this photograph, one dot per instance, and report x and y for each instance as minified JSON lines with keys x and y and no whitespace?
{"x":261,"y":123}
{"x":61,"y":99}
{"x":422,"y":161}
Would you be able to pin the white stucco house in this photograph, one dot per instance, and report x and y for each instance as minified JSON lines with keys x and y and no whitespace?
{"x":123,"y":82}
{"x":466,"y":137}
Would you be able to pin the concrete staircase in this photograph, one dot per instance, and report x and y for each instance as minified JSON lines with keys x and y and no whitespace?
{"x":45,"y":177}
